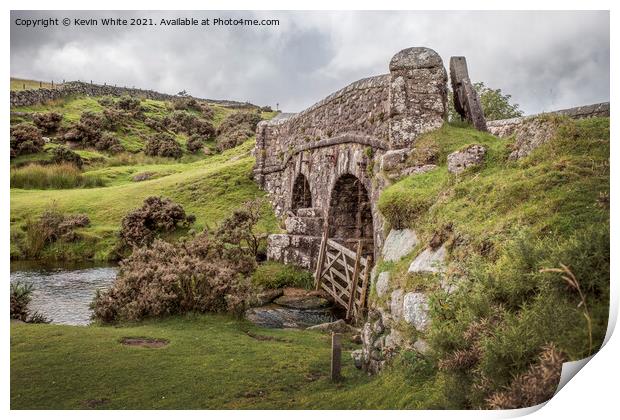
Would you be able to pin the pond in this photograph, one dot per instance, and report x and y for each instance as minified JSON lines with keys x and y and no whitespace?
{"x":64,"y":293}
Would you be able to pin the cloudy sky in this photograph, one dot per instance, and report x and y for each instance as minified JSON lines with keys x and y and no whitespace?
{"x":546,"y":60}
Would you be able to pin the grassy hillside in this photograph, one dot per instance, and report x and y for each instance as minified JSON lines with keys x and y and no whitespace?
{"x":207,"y":183}
{"x":506,"y":224}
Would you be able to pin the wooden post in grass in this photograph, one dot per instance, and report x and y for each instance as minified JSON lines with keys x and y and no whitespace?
{"x":336,"y":356}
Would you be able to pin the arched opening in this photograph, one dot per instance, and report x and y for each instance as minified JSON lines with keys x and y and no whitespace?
{"x":350,"y":215}
{"x":302,"y":197}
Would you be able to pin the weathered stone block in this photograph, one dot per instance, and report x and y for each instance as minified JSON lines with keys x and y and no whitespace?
{"x":429,"y":261}
{"x":399,"y":243}
{"x":393,"y":159}
{"x":312,"y":226}
{"x":383,"y":283}
{"x":396,"y":305}
{"x":415,"y":310}
{"x":462,"y":159}
{"x":309,"y":212}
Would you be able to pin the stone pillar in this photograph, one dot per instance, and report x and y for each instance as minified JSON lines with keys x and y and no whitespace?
{"x":418,"y":95}
{"x":466,"y":100}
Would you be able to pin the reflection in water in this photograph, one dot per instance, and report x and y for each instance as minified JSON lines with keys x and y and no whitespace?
{"x":64,"y":294}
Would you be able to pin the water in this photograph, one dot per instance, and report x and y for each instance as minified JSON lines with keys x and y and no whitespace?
{"x":64,"y":293}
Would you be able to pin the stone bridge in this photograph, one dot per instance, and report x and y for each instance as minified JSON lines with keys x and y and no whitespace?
{"x":324,"y":167}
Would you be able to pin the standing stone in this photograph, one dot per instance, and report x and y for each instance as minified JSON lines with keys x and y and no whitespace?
{"x":466,"y":100}
{"x":399,"y":243}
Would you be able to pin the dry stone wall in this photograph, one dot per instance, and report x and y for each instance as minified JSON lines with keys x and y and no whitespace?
{"x":31,"y":97}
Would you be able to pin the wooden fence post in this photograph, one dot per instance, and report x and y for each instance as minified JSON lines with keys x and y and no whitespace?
{"x":336,"y":356}
{"x":356,"y":272}
{"x":319,"y":263}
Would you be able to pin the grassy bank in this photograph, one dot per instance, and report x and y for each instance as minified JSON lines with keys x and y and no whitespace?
{"x":210,"y":362}
{"x":505,"y":224}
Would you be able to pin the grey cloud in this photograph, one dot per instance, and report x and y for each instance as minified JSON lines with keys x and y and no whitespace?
{"x":546,"y":60}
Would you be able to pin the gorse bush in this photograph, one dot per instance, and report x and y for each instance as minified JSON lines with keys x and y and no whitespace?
{"x":236,"y":129}
{"x":128,"y":103}
{"x":167,"y":279}
{"x":164,"y":145}
{"x":274,"y":275}
{"x":53,"y":176}
{"x":195,"y":143}
{"x":204,"y":274}
{"x":47,"y":122}
{"x":25,"y":138}
{"x":21,"y":296}
{"x":62,"y":154}
{"x":186,"y":122}
{"x":157,"y":215}
{"x":51,"y":226}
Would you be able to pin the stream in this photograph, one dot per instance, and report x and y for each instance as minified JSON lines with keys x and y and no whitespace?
{"x":64,"y":293}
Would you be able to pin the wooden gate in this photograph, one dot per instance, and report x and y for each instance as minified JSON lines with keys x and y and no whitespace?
{"x":343,"y":274}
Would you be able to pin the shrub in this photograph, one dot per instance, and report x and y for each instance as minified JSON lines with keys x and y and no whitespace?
{"x":157,"y":215}
{"x":195,"y":143}
{"x":236,"y":129}
{"x":240,"y":227}
{"x":128,"y":103}
{"x":155,"y":124}
{"x":47,"y":122}
{"x":88,"y":130}
{"x":51,"y":226}
{"x":109,"y":142}
{"x":204,"y":274}
{"x":21,"y":296}
{"x":493,"y":328}
{"x":167,"y":279}
{"x":533,"y":387}
{"x":53,"y":176}
{"x":115,"y":118}
{"x":207,"y":112}
{"x":25,"y":138}
{"x":186,"y":104}
{"x":162,"y":144}
{"x":185,"y":122}
{"x":273,"y":275}
{"x":62,"y":154}
{"x":106,"y":101}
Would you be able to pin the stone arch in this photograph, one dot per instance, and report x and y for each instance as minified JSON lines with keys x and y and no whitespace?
{"x":302,"y":195}
{"x":350,"y":213}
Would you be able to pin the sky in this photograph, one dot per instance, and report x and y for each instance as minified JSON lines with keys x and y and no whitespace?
{"x":547,"y":60}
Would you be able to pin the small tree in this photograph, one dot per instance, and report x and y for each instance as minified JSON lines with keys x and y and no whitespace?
{"x":240,"y":228}
{"x":495,"y":104}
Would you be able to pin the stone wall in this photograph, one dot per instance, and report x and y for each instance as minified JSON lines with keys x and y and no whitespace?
{"x":348,"y":133}
{"x":40,"y":96}
{"x":505,"y":128}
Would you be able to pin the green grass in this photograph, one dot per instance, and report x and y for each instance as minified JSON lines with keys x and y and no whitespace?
{"x":54,"y":176}
{"x":273,"y":275}
{"x":21,"y":84}
{"x":505,"y":221}
{"x":210,"y":362}
{"x":210,"y":189}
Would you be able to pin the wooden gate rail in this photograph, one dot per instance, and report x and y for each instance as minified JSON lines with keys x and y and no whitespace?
{"x":343,"y":274}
